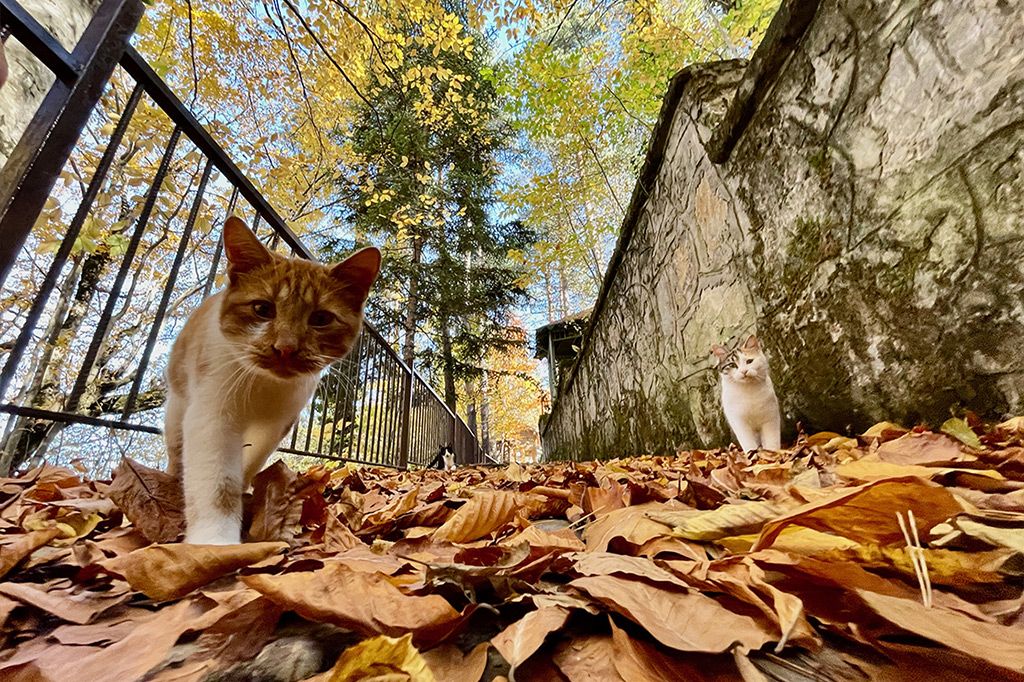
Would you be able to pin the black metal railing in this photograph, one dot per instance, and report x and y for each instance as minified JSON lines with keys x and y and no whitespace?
{"x":111,"y":238}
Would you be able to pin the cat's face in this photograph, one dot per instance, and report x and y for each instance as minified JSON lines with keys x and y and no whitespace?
{"x":287,"y":316}
{"x":746,"y":364}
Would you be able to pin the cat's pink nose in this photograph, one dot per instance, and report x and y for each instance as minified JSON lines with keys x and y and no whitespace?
{"x":283,"y":350}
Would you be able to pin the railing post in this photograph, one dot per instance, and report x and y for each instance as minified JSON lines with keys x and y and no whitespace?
{"x":39,"y":156}
{"x":405,"y":444}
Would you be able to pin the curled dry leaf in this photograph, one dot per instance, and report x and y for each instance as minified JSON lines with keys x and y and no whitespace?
{"x":277,"y":501}
{"x":687,"y":621}
{"x":449,"y":665}
{"x":996,"y":644}
{"x":365,"y":602}
{"x":382,"y":658}
{"x":486,"y":512}
{"x":519,"y":641}
{"x":729,"y":519}
{"x":151,"y":499}
{"x":164,"y":572}
{"x":14,"y":552}
{"x":868,"y":513}
{"x":590,"y":658}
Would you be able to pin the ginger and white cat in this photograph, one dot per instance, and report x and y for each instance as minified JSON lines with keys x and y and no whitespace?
{"x":244,"y":366}
{"x":748,"y":397}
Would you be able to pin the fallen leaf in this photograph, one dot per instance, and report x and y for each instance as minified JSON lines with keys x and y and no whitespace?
{"x":867,"y":513}
{"x":639,"y":661}
{"x":587,"y":659}
{"x":729,"y":519}
{"x":75,"y":608}
{"x":1012,"y":538}
{"x":999,"y":645}
{"x":164,"y":572}
{"x":151,"y":499}
{"x":959,"y":429}
{"x":13,"y":553}
{"x":486,"y":511}
{"x":519,"y":641}
{"x":365,"y":602}
{"x":631,"y":525}
{"x":687,"y":621}
{"x":449,"y":665}
{"x":382,"y":658}
{"x":922,"y":449}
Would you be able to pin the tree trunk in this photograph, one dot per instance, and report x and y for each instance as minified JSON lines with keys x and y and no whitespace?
{"x":409,"y":346}
{"x":448,"y":361}
{"x":485,"y":414}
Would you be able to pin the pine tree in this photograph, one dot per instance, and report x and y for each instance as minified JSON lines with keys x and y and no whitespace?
{"x":427,"y":143}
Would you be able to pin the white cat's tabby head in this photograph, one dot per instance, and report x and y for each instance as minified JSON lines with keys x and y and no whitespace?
{"x":745,"y":364}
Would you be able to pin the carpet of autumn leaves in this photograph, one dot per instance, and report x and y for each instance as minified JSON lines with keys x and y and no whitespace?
{"x":706,"y":565}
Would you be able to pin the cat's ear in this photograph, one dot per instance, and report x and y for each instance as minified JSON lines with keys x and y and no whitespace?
{"x":244,"y":251}
{"x":358,"y":272}
{"x":752,"y":344}
{"x":719,"y":351}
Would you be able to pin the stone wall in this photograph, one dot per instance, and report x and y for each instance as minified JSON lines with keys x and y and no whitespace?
{"x":854,"y":195}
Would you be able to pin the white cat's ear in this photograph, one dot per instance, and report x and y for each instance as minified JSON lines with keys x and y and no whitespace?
{"x":243,"y":249}
{"x":752,"y":343}
{"x":358,"y":272}
{"x":719,"y":351}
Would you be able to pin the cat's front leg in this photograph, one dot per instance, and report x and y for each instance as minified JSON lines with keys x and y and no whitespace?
{"x":747,"y":436}
{"x":212,"y":458}
{"x":771,"y":433}
{"x":260,"y":442}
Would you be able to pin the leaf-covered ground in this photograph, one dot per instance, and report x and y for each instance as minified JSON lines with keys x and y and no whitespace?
{"x":708,"y":565}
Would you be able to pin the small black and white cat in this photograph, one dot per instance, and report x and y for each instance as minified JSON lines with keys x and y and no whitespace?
{"x":748,"y":396}
{"x":444,"y":459}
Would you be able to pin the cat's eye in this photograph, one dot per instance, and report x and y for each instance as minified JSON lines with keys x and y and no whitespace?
{"x":263,"y":310}
{"x":321,"y":318}
{"x":750,"y":360}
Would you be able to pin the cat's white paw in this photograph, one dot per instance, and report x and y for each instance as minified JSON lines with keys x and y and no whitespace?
{"x":214,"y":532}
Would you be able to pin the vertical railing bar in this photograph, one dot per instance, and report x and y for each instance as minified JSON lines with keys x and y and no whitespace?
{"x":381,"y":418}
{"x":385,"y":406}
{"x":379,"y":402}
{"x":309,"y":422}
{"x":353,"y":432}
{"x":368,"y":397}
{"x":365,"y":362}
{"x":220,"y":246}
{"x":60,"y":259}
{"x":101,"y":327}
{"x":323,"y":414}
{"x":338,"y":375}
{"x":165,"y":297}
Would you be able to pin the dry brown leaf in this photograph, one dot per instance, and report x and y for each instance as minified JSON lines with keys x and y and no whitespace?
{"x":165,"y":572}
{"x":151,"y":499}
{"x":868,"y":513}
{"x":1011,"y":538}
{"x":923,"y":449}
{"x":631,"y":525}
{"x":449,"y":665}
{"x":338,"y":536}
{"x":999,"y":645}
{"x":687,"y":621}
{"x":75,"y":608}
{"x":21,"y":546}
{"x":729,"y":519}
{"x":276,"y":506}
{"x":486,"y":512}
{"x":519,"y":641}
{"x":639,"y":661}
{"x":365,"y":602}
{"x":607,"y":563}
{"x":563,"y":540}
{"x":590,"y":658}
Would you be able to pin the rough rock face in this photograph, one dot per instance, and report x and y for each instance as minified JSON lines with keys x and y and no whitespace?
{"x":865,"y":218}
{"x":29,"y":79}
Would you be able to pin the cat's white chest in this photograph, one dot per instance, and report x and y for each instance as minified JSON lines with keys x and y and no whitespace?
{"x":751,"y":403}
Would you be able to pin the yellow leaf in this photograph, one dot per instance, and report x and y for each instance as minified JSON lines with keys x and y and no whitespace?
{"x":729,"y":519}
{"x":959,"y":429}
{"x":391,"y":658}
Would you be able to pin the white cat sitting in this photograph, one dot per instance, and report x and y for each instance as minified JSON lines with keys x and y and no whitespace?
{"x":748,"y":397}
